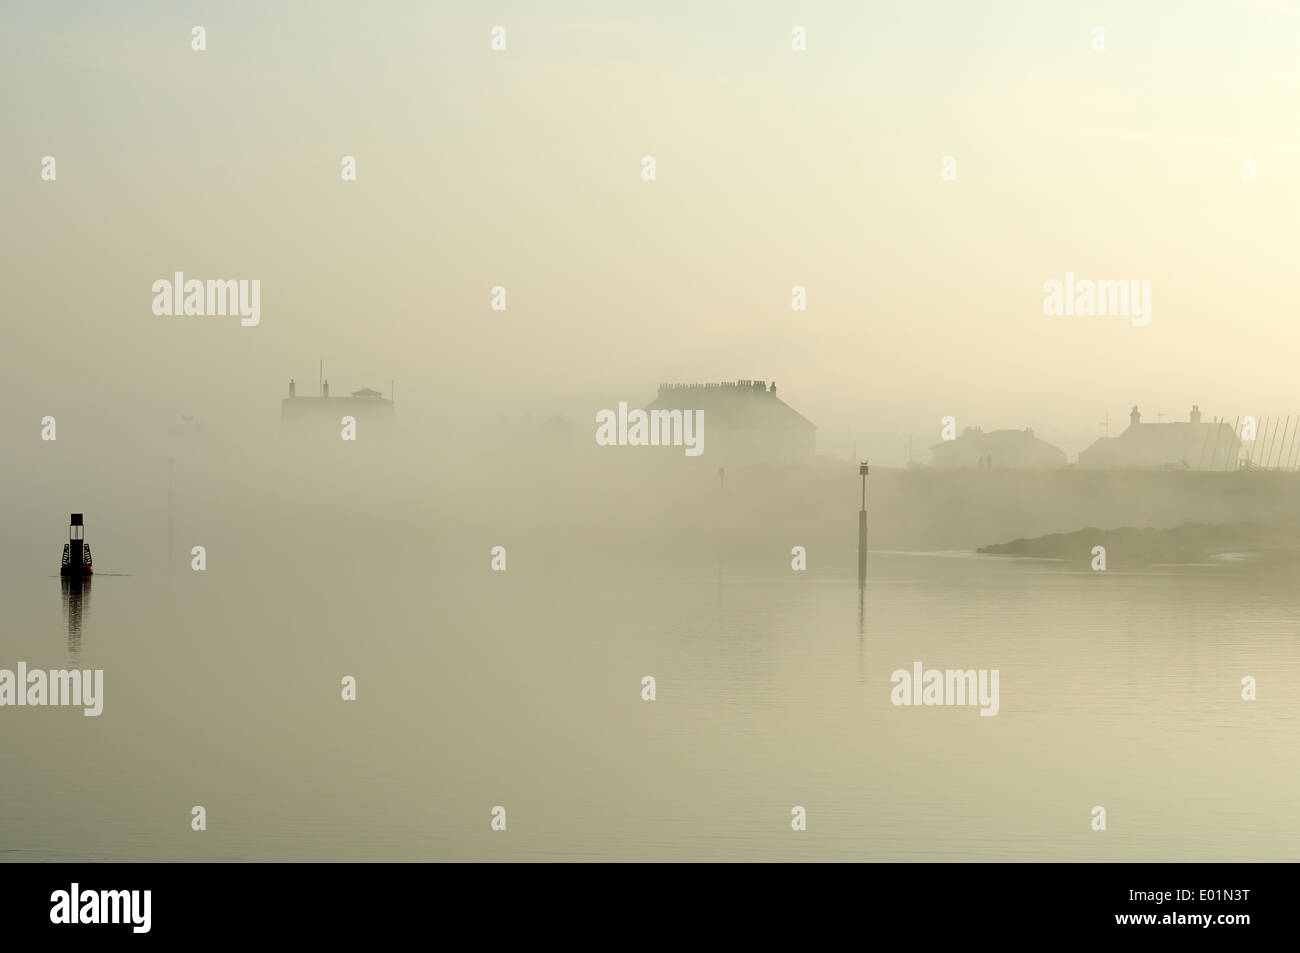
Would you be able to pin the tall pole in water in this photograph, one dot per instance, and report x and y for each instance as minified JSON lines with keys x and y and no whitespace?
{"x":863,"y":470}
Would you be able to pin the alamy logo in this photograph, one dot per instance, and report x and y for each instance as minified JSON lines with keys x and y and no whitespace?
{"x":56,"y":687}
{"x":213,"y":297}
{"x":655,"y":428}
{"x":1085,"y":297}
{"x":953,"y":686}
{"x":103,"y":906}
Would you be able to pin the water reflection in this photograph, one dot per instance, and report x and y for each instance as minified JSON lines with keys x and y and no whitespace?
{"x":76,"y":603}
{"x":862,"y":626}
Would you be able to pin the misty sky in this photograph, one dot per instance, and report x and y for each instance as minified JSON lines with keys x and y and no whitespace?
{"x":775,"y":169}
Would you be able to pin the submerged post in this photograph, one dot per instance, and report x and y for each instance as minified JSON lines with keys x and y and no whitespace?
{"x":863,"y":470}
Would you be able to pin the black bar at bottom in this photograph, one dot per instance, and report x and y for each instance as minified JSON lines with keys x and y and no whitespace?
{"x":1223,"y":903}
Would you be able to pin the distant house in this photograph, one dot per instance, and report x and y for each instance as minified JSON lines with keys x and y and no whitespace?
{"x":996,"y":450}
{"x":745,"y":423}
{"x":1176,"y":445}
{"x":321,"y":417}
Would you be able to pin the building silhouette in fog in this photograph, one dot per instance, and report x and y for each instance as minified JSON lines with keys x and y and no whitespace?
{"x":745,"y":423}
{"x":996,"y":450}
{"x":320,"y":417}
{"x":1173,"y":445}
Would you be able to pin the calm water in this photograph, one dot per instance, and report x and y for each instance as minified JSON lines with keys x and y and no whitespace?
{"x":522,"y":689}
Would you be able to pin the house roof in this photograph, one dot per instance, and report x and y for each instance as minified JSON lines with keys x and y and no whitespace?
{"x":996,"y":438}
{"x":737,"y":405}
{"x":1180,"y":429}
{"x":1180,"y":437}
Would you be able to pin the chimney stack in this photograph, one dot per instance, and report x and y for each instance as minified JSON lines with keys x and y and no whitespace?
{"x":1134,"y":417}
{"x":1196,"y":414}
